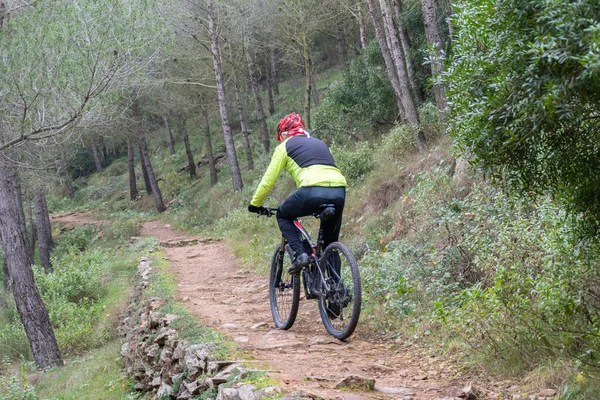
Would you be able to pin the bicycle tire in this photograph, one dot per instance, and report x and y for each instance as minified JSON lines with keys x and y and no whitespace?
{"x":340,"y":307}
{"x":284,"y":296}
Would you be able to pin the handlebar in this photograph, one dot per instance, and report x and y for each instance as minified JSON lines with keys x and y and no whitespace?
{"x":268,"y":211}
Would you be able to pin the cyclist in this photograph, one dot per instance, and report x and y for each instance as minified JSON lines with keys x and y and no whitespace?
{"x":310,"y":163}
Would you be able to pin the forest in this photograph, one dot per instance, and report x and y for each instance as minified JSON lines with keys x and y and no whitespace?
{"x":468,"y":132}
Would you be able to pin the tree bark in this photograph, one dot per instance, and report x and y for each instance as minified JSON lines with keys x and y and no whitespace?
{"x":448,"y":10}
{"x":245,"y":124}
{"x":6,"y":283}
{"x":405,"y":42}
{"x":437,"y":64}
{"x":407,"y":101}
{"x":260,"y":114}
{"x":307,"y":79}
{"x":44,"y":230}
{"x":133,"y":192}
{"x":171,"y":139}
{"x":182,"y":131}
{"x":209,"y":151}
{"x":234,"y":168}
{"x":361,"y":27}
{"x":341,"y":41}
{"x":31,"y":308}
{"x":389,"y":63}
{"x":314,"y":91}
{"x":274,"y":72}
{"x":96,"y":156}
{"x":32,"y":226}
{"x":147,"y":184}
{"x":145,"y":158}
{"x":270,"y":92}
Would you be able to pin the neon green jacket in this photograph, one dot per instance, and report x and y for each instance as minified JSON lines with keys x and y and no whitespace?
{"x":308,"y":161}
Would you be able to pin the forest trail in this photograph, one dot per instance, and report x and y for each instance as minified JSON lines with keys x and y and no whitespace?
{"x":234,"y":302}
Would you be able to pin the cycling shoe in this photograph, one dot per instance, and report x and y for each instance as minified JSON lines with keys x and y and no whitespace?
{"x":301,"y":261}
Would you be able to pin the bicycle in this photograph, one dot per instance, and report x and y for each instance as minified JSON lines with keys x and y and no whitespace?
{"x":331,"y":277}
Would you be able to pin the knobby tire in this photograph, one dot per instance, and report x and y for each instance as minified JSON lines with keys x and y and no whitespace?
{"x":342,"y":328}
{"x":283,"y":296}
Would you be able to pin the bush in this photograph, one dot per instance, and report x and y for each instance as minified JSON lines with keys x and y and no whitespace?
{"x":354,"y":163}
{"x":364,"y":99}
{"x":76,"y":240}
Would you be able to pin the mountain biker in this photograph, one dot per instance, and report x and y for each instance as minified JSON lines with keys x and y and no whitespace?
{"x":310,"y":163}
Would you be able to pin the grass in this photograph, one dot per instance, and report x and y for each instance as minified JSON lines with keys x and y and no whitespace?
{"x":96,"y":376}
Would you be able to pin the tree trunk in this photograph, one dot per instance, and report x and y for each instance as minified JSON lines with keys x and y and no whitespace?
{"x":209,"y":150}
{"x":314,"y":91}
{"x":133,"y":192}
{"x":147,"y":183}
{"x":145,"y":158}
{"x":270,"y":92}
{"x":307,"y":80}
{"x":274,"y":72}
{"x":341,"y":41}
{"x":437,"y":60}
{"x":448,"y":10}
{"x":32,"y":226}
{"x":361,"y":27}
{"x":31,"y":308}
{"x":182,"y":131}
{"x":260,"y":115}
{"x":44,"y":230}
{"x":405,"y":42}
{"x":171,"y":139}
{"x":245,"y":124}
{"x":234,"y":168}
{"x":97,"y":158}
{"x":407,"y":101}
{"x":6,"y":283}
{"x":389,"y":63}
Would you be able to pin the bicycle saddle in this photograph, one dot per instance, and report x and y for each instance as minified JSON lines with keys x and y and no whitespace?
{"x":325,"y":212}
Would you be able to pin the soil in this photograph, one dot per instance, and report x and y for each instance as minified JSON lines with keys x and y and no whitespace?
{"x":234,"y":301}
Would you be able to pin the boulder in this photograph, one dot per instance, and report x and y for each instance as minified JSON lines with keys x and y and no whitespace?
{"x":164,"y":391}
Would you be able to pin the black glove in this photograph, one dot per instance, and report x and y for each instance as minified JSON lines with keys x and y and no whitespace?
{"x":254,"y":209}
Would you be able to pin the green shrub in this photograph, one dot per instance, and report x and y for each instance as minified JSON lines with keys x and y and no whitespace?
{"x":355,"y":163}
{"x":76,"y":240}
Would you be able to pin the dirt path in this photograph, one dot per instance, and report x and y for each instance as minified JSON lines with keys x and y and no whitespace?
{"x":235,"y":302}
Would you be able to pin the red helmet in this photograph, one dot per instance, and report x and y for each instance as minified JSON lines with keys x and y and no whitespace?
{"x":291,"y":122}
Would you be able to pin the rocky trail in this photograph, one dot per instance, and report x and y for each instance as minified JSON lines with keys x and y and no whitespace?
{"x":234,"y":301}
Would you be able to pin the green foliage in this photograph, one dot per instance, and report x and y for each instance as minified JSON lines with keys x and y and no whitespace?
{"x":355,"y":162}
{"x":524,"y":90}
{"x":15,"y":385}
{"x":363,"y":99}
{"x":76,"y":240}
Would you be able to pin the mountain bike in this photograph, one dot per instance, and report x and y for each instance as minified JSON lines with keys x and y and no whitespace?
{"x":331,"y":277}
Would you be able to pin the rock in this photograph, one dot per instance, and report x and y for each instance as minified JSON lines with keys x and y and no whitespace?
{"x":229,"y":326}
{"x":470,"y":393}
{"x":547,"y":393}
{"x":179,"y":352}
{"x":356,"y":382}
{"x":516,"y":397}
{"x":259,"y":325}
{"x":152,"y":352}
{"x":224,"y":375}
{"x":168,"y":319}
{"x":270,"y":391}
{"x":301,"y":395}
{"x":165,"y":391}
{"x":420,"y":378}
{"x":140,"y":387}
{"x":166,"y":355}
{"x":163,"y":335}
{"x":154,"y":319}
{"x":156,"y":382}
{"x":245,"y":392}
{"x":184,"y":395}
{"x":393,"y":390}
{"x":216,"y":366}
{"x":241,"y":339}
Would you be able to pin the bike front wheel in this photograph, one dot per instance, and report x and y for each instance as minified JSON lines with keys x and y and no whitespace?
{"x":341,"y":300}
{"x":284,"y":289}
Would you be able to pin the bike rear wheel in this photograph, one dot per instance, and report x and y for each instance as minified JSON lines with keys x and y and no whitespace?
{"x":340,"y":305}
{"x":284,"y":289}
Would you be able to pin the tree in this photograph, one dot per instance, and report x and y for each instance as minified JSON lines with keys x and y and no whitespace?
{"x":209,"y":150}
{"x":525,"y":104}
{"x":44,"y":229}
{"x":171,"y":138}
{"x":183,"y":132}
{"x":31,"y":308}
{"x":436,"y":55}
{"x":260,"y":114}
{"x":138,"y":120}
{"x":236,"y":176}
{"x":245,"y":124}
{"x":133,"y":192}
